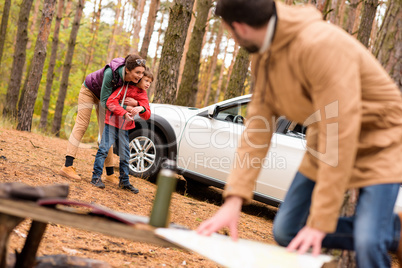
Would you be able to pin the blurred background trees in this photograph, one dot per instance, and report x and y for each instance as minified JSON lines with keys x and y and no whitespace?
{"x":208,"y":66}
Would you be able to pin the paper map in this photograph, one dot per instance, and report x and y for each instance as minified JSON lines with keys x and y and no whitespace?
{"x":243,"y":253}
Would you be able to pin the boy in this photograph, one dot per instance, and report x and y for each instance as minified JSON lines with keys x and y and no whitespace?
{"x":117,"y":123}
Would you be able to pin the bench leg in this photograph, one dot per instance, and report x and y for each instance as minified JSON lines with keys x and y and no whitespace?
{"x":7,"y":224}
{"x":27,"y":257}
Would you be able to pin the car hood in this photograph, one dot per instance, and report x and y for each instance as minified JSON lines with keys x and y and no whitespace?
{"x":174,"y":111}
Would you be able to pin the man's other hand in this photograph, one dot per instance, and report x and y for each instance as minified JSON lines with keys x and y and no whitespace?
{"x":307,"y":237}
{"x":227,"y":216}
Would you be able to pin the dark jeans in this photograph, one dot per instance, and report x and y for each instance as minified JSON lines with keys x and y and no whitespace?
{"x":371,"y":232}
{"x":109,"y":136}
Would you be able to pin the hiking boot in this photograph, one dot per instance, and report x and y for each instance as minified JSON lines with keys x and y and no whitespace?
{"x":98,"y":183}
{"x":399,"y":250}
{"x":69,"y":172}
{"x":129,"y":187}
{"x":112,"y":178}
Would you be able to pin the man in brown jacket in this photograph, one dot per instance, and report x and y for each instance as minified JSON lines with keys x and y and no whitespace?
{"x":316,"y":74}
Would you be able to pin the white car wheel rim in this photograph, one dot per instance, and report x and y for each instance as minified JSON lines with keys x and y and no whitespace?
{"x":142,"y":154}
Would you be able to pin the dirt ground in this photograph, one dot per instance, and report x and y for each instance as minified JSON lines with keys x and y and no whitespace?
{"x":35,"y":159}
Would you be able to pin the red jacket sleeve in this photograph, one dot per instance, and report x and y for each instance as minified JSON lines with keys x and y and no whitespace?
{"x":113,"y":105}
{"x":143,"y":101}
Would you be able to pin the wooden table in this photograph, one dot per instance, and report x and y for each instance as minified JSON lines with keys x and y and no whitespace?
{"x":13,"y":212}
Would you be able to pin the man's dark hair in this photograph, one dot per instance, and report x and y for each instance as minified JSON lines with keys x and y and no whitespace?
{"x":255,"y":13}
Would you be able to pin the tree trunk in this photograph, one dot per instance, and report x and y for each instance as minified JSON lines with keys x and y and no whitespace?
{"x":94,"y":29}
{"x":366,"y":22}
{"x":189,"y":84}
{"x":172,"y":51}
{"x":66,"y":22}
{"x":230,"y":70}
{"x":239,"y":74}
{"x":50,"y":70}
{"x":348,"y":258}
{"x":149,"y":28}
{"x":213,"y":63}
{"x":155,"y":66}
{"x":334,"y":11}
{"x":27,"y":109}
{"x":220,"y":79}
{"x":66,"y":69}
{"x":112,"y":43}
{"x":119,"y":36}
{"x":186,"y":46}
{"x":352,"y":15}
{"x":388,"y":44}
{"x":34,"y":22}
{"x":3,"y":27}
{"x":137,"y":27}
{"x":10,"y":105}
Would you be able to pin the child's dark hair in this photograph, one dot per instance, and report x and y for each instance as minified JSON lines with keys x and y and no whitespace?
{"x":148,"y":73}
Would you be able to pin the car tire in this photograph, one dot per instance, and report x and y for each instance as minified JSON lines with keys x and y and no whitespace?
{"x":146,"y":154}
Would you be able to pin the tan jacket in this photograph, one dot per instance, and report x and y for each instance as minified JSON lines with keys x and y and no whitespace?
{"x":316,"y":74}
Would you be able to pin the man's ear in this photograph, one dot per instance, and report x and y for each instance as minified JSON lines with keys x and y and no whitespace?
{"x":240,"y":28}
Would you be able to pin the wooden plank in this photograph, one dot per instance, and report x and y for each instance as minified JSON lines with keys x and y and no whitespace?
{"x":138,"y":232}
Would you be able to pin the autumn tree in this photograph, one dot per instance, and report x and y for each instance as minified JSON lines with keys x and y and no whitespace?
{"x":66,"y":69}
{"x":94,"y":30}
{"x":189,"y":83}
{"x":112,"y":42}
{"x":213,"y":63}
{"x":172,"y":51}
{"x":220,"y":79}
{"x":29,"y":98}
{"x":10,"y":105}
{"x":137,"y":26}
{"x":3,"y":27}
{"x":149,"y":28}
{"x":366,"y":22}
{"x":388,"y":44}
{"x":239,"y":75}
{"x":50,"y":70}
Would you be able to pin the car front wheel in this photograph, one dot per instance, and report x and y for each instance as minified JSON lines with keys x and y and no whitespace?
{"x":146,"y":153}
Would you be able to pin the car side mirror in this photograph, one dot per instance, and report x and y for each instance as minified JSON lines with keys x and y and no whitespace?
{"x":213,"y":111}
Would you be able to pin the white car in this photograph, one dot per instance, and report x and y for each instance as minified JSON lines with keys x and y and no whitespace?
{"x":203,"y":142}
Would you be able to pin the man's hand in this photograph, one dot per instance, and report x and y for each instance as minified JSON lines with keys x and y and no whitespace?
{"x":130,"y":102}
{"x":227,"y":216}
{"x":306,"y":238}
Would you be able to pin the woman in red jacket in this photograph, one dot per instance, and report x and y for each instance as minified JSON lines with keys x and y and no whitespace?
{"x":117,"y":123}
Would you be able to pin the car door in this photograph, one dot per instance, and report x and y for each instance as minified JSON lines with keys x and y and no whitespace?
{"x":282,"y":161}
{"x":207,"y":145}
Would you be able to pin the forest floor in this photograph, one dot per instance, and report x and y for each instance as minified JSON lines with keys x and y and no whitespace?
{"x":35,"y":159}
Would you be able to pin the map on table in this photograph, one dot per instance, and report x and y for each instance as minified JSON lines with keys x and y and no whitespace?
{"x":243,"y":253}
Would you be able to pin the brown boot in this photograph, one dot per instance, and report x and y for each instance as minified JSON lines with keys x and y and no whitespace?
{"x":112,"y":178}
{"x":69,"y":172}
{"x":399,"y":250}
